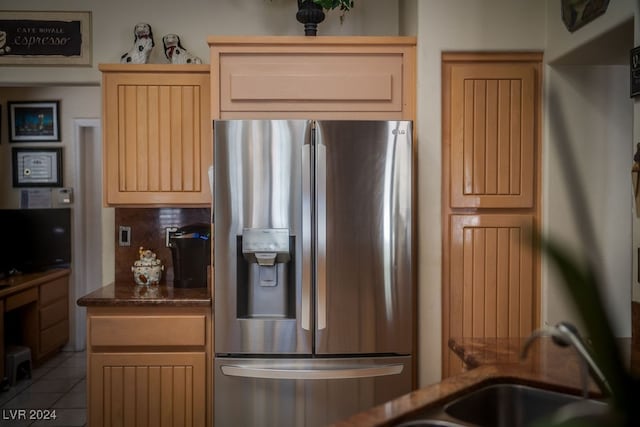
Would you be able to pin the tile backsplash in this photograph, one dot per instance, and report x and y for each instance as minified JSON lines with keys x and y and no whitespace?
{"x":148,"y":230}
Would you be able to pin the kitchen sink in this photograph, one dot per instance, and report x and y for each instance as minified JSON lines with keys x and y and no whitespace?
{"x":508,"y":404}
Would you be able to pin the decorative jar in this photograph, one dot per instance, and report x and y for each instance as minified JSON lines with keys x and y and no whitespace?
{"x":148,"y":269}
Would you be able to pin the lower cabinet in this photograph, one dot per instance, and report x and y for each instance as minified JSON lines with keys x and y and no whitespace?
{"x":149,"y":366}
{"x":148,"y":389}
{"x":54,"y":316}
{"x":36,"y":314}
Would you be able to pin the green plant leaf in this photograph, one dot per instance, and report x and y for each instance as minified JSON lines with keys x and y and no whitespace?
{"x":582,"y":285}
{"x":344,"y":5}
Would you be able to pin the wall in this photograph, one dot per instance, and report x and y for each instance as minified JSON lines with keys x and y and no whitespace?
{"x":75,"y":102}
{"x":193,"y":21}
{"x":561,"y":41}
{"x":453,"y":25}
{"x":589,"y":110}
{"x":564,"y":42}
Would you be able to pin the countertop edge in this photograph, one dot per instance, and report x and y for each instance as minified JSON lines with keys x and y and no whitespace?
{"x":128,"y":295}
{"x":409,"y":405}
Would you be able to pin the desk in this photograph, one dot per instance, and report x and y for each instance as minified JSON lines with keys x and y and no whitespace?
{"x":35,"y":310}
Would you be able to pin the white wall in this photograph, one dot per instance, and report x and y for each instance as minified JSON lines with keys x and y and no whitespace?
{"x":561,"y":41}
{"x":453,"y":25}
{"x":590,"y":110}
{"x":193,"y":21}
{"x":75,"y":102}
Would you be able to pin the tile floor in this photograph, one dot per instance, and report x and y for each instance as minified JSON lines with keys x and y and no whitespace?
{"x":59,"y":384}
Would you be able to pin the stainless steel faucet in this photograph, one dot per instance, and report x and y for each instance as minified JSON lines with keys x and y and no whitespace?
{"x":565,"y":334}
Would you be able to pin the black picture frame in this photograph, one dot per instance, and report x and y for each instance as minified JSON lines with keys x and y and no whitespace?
{"x":36,"y":167}
{"x":578,"y":13}
{"x":634,"y":71}
{"x":34,"y":121}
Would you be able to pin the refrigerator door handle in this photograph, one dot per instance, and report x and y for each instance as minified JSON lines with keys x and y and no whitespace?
{"x":311,"y":374}
{"x":321,"y":239}
{"x":305,"y":308}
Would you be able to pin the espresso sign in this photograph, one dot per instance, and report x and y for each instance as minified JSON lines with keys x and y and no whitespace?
{"x":45,"y":38}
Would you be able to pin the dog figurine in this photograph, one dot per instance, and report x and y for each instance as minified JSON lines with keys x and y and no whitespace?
{"x":175,"y":53}
{"x":142,"y":45}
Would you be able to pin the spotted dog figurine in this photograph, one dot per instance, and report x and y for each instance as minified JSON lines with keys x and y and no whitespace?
{"x":142,"y":45}
{"x":175,"y":53}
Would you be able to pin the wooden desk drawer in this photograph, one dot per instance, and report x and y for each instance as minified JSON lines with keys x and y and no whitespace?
{"x":147,"y":330}
{"x":54,"y":290}
{"x":54,"y":337}
{"x":53,"y":313}
{"x":20,"y":299}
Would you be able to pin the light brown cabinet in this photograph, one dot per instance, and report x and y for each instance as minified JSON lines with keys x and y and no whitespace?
{"x":53,"y":315}
{"x":156,"y":134}
{"x":491,"y":197}
{"x":149,"y":366}
{"x":318,"y":77}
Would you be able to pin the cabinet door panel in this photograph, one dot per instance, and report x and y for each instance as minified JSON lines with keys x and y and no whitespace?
{"x":161,"y":389}
{"x":157,"y":137}
{"x":311,"y":82}
{"x":491,"y":288}
{"x":492,"y":142}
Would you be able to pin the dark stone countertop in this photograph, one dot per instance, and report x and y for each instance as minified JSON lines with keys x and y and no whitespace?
{"x":129,"y":294}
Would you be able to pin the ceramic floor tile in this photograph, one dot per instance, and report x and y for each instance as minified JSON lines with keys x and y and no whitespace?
{"x":52,"y":386}
{"x":66,"y":418}
{"x":72,"y":401}
{"x":55,"y":360}
{"x":39,"y":372}
{"x":6,"y":396}
{"x":80,"y":387}
{"x":66,"y":372}
{"x":59,"y":384}
{"x":27,"y":399}
{"x":12,"y":419}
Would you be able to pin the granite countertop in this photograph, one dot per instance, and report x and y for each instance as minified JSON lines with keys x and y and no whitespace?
{"x":492,"y":360}
{"x":129,"y":294}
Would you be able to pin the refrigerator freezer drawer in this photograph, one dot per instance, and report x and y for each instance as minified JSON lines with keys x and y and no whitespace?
{"x":304,"y":392}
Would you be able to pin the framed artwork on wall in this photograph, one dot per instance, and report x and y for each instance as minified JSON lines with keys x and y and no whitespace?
{"x":45,"y":38}
{"x":634,"y":71}
{"x":34,"y":121}
{"x":37,"y":167}
{"x":577,"y":13}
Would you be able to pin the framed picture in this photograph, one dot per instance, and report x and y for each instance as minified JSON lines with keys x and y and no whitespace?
{"x":577,"y":13}
{"x":634,"y":71}
{"x":45,"y":38}
{"x":37,"y":167}
{"x":34,"y":121}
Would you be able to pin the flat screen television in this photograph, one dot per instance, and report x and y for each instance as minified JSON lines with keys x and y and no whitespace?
{"x":34,"y":240}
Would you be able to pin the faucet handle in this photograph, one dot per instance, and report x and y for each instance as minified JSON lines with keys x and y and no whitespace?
{"x":566,"y":329}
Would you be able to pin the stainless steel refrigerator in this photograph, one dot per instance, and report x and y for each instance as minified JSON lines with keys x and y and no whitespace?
{"x":312,"y":268}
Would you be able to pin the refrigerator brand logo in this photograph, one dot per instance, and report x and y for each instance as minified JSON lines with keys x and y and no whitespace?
{"x":398,"y":132}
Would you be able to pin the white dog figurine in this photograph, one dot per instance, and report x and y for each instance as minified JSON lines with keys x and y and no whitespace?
{"x":142,"y":45}
{"x":175,"y":53}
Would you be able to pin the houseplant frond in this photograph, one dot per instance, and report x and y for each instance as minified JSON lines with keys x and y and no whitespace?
{"x":344,"y":5}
